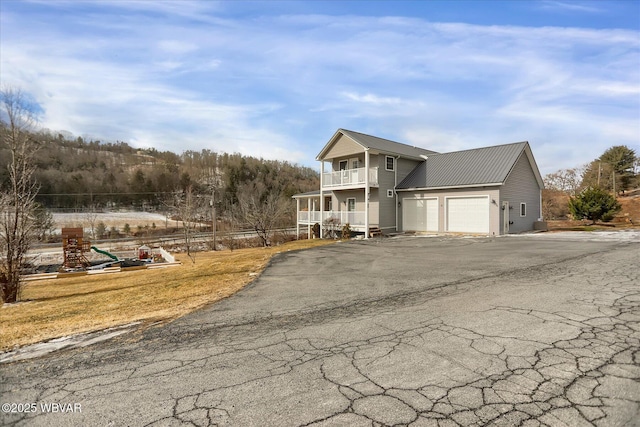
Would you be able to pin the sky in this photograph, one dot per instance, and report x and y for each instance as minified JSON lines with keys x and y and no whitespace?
{"x":276,"y":79}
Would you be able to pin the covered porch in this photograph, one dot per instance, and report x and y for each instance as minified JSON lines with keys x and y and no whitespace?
{"x":309,"y":211}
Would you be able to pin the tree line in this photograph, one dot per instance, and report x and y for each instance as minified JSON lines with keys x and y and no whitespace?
{"x":76,"y":174}
{"x":582,"y":191}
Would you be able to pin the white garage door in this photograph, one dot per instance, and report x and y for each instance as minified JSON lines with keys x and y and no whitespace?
{"x":420,"y":215}
{"x":468,"y":214}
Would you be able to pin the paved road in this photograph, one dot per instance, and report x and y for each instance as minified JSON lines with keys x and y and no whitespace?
{"x":404,"y":331}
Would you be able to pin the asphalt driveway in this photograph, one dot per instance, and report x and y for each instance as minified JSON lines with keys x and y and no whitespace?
{"x":526,"y":330}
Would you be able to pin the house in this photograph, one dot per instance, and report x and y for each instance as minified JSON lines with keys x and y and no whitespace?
{"x":376,"y":184}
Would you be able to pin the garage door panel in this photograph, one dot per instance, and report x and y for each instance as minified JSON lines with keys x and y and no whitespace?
{"x":410,"y":215}
{"x":420,"y":215}
{"x":468,"y":214}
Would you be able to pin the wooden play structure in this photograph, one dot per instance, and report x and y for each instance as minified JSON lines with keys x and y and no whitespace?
{"x":74,"y":247}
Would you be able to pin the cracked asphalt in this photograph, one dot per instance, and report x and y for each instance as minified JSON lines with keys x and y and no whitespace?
{"x":412,"y":331}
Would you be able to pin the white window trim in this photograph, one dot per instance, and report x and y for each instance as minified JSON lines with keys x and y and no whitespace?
{"x":523,"y":205}
{"x":355,"y":203}
{"x":386,"y":163}
{"x":346,"y":165}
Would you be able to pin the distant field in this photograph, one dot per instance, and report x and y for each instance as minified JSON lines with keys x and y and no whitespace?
{"x":113,"y":219}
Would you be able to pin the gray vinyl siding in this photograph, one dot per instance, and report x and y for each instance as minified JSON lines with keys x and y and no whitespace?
{"x":386,"y":205}
{"x":389,"y":209}
{"x":521,"y":187}
{"x":342,"y":196}
{"x":344,"y":146}
{"x":405,"y":166}
{"x":374,"y":208}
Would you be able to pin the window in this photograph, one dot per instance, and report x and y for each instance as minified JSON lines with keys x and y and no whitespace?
{"x":523,"y":209}
{"x":343,"y":165}
{"x":390,"y":163}
{"x":389,"y":193}
{"x":355,"y":164}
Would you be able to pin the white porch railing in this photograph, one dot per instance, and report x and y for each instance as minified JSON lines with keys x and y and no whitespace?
{"x":306,"y":217}
{"x":348,"y":177}
{"x":353,"y":218}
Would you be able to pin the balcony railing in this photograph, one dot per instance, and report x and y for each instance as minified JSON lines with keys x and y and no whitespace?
{"x":353,"y":218}
{"x":349,"y":177}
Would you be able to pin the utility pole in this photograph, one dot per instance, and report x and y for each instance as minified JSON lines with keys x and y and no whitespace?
{"x":213,"y":216}
{"x":614,"y":183}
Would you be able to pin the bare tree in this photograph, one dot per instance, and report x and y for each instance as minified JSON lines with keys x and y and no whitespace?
{"x":189,"y":208}
{"x":44,"y":224}
{"x":565,"y":180}
{"x":230,"y":240}
{"x":18,"y":192}
{"x":91,"y":215}
{"x":261,"y":209}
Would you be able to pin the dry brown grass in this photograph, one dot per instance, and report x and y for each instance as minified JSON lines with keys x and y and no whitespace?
{"x":60,"y":307}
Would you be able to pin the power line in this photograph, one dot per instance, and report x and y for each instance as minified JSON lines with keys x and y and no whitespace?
{"x":108,"y":194}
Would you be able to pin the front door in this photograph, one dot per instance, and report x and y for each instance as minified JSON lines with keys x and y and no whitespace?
{"x":351,"y":208}
{"x":355,"y":178}
{"x":344,"y":172}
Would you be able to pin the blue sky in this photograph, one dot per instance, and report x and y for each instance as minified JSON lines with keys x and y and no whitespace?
{"x":276,"y":79}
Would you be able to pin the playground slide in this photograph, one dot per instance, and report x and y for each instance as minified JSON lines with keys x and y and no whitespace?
{"x":100,"y":251}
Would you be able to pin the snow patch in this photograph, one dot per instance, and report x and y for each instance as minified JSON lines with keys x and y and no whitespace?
{"x":72,"y":341}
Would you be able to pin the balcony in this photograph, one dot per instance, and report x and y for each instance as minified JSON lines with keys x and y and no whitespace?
{"x":350,"y":178}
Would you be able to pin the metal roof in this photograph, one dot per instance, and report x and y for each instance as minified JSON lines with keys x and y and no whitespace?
{"x":479,"y":166}
{"x":379,"y":144}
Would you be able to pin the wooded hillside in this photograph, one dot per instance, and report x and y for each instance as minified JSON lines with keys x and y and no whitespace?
{"x":74,"y":173}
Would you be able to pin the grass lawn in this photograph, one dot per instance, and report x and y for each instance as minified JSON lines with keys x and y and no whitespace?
{"x":60,"y":307}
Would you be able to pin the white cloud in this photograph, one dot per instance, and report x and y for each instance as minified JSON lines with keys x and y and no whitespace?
{"x":435,"y":139}
{"x":280,"y":85}
{"x":372,"y":99}
{"x":572,"y":7}
{"x":177,"y":47}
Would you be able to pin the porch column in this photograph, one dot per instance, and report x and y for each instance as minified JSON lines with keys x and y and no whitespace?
{"x":321,"y":195}
{"x":395,"y":186}
{"x":309,"y":218}
{"x":366,"y":193}
{"x":297,"y":218}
